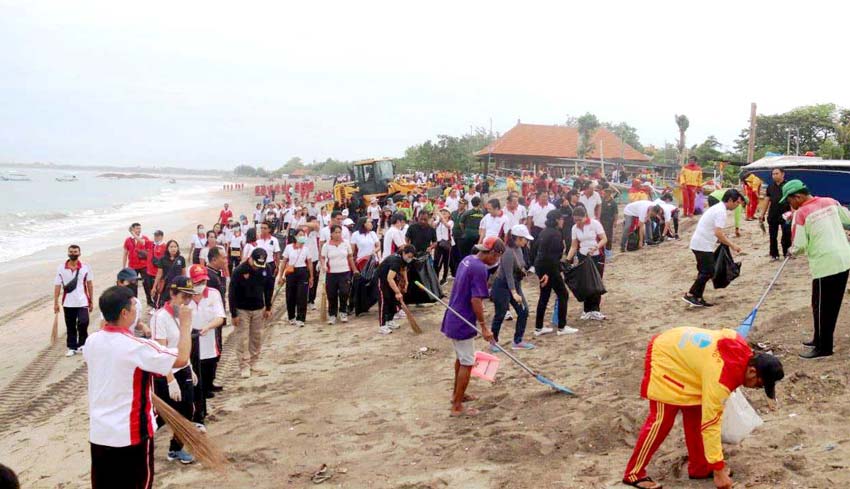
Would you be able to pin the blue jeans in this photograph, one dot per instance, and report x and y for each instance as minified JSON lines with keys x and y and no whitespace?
{"x":502,"y":298}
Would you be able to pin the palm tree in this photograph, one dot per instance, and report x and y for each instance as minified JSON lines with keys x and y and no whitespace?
{"x":683,"y":123}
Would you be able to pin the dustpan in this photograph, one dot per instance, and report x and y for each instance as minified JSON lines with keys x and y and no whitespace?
{"x":486,"y":366}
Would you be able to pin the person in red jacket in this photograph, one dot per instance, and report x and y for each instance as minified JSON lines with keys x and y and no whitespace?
{"x":156,"y":251}
{"x":136,"y":254}
{"x":225,"y":215}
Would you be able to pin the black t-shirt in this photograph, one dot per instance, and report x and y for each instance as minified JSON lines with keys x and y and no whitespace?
{"x":171,"y":268}
{"x":393,"y":262}
{"x":774,"y":193}
{"x":421,"y":236}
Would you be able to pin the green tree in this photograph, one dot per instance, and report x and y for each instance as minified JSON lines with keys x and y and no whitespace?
{"x":587,"y":126}
{"x":262,"y":172}
{"x":831,"y":150}
{"x":245,"y":171}
{"x":446,"y":153}
{"x":708,"y":152}
{"x":294,"y":163}
{"x":627,"y":133}
{"x":807,"y":127}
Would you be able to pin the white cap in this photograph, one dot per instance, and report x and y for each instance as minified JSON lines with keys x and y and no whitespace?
{"x":345,"y":212}
{"x":347,"y":222}
{"x":521,"y":231}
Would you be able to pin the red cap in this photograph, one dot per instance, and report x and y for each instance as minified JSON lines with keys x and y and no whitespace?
{"x":198,"y":273}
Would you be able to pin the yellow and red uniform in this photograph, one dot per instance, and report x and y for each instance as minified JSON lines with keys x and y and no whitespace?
{"x":692,"y":370}
{"x":690,"y":180}
{"x":637,"y":191}
{"x":753,"y":186}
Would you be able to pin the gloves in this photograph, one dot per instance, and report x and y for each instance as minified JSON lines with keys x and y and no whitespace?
{"x":174,"y":391}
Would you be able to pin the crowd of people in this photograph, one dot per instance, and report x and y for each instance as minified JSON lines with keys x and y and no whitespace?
{"x":357,"y":253}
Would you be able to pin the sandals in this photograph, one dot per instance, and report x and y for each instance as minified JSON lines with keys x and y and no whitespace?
{"x":467,"y":413}
{"x":638,"y":483}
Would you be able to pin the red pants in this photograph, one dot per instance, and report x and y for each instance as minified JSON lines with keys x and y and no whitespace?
{"x":753,"y":204}
{"x":655,"y":430}
{"x":689,"y":197}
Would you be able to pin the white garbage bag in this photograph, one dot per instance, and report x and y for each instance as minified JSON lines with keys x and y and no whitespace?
{"x":739,"y":419}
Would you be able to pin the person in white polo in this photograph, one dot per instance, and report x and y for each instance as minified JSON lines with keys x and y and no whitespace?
{"x":74,"y":282}
{"x":493,"y":224}
{"x":121,"y":368}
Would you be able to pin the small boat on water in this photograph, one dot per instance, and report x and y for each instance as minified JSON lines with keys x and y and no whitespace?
{"x":67,"y":178}
{"x":825,"y":178}
{"x":14,"y":176}
{"x":171,"y":180}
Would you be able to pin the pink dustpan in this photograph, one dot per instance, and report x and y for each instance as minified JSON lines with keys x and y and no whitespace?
{"x":486,"y":366}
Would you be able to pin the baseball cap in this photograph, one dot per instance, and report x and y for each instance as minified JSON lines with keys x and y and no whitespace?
{"x":491,"y":243}
{"x":770,"y":372}
{"x":259,"y":256}
{"x":182,"y":283}
{"x":198,"y":273}
{"x":128,"y":275}
{"x":521,"y":231}
{"x":347,"y":222}
{"x":790,"y":188}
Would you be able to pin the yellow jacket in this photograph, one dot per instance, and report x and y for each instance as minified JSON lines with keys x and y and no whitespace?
{"x":691,"y":175}
{"x":511,"y":184}
{"x":753,"y":182}
{"x":693,"y":367}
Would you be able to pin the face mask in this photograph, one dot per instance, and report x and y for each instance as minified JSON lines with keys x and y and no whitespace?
{"x":201,"y":231}
{"x":199,"y":289}
{"x":407,"y":260}
{"x":301,"y":239}
{"x":73,"y":257}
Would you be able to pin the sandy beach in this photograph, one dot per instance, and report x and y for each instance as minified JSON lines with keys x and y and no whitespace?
{"x":376,"y":411}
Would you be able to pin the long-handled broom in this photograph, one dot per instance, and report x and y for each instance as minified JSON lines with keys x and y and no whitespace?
{"x":198,"y":443}
{"x":54,"y":333}
{"x":414,"y":325}
{"x":539,"y":377}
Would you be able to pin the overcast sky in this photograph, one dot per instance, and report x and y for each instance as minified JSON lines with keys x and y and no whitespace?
{"x":205,"y":84}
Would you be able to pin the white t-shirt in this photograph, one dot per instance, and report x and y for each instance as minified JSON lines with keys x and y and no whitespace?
{"x":668,"y":209}
{"x":247,"y":249}
{"x":258,"y":216}
{"x":289,"y":214}
{"x":469,"y":197}
{"x":393,"y":240}
{"x":120,"y":376}
{"x":164,"y":327}
{"x":236,"y":242}
{"x":325,"y":234}
{"x":639,"y":209}
{"x":324,"y":220}
{"x":538,"y":213}
{"x":374,"y":212}
{"x":492,"y":226}
{"x":79,"y":297}
{"x":444,"y":231}
{"x":365,"y":243}
{"x":703,"y":238}
{"x":335,"y":257}
{"x":313,"y":245}
{"x":296,"y":257}
{"x":517,"y":216}
{"x":209,"y":308}
{"x":198,"y":242}
{"x":271,"y":245}
{"x":590,"y":203}
{"x":452,"y":203}
{"x":204,"y":256}
{"x":588,"y":236}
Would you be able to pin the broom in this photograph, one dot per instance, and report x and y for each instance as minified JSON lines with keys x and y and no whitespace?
{"x":54,"y":333}
{"x":198,"y":443}
{"x":410,"y":319}
{"x":323,"y":304}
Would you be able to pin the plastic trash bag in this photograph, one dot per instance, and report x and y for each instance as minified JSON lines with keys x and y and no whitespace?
{"x":739,"y":419}
{"x":725,"y":268}
{"x":584,"y":280}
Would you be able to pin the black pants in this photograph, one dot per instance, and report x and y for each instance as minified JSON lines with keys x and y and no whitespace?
{"x":199,"y":413}
{"x":233,"y":261}
{"x":297,"y":290}
{"x":442,"y":257}
{"x":592,"y":303}
{"x":705,"y":271}
{"x":130,"y":467}
{"x":77,"y":326}
{"x":773,"y":228}
{"x":147,"y":283}
{"x":556,"y":283}
{"x":608,"y":227}
{"x":311,"y":297}
{"x":186,"y":405}
{"x":535,"y":233}
{"x":827,"y":294}
{"x":209,"y":367}
{"x":465,"y":246}
{"x":388,"y":305}
{"x":338,"y":287}
{"x":454,"y":259}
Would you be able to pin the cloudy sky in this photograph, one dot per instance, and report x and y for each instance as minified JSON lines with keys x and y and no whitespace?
{"x":207,"y":84}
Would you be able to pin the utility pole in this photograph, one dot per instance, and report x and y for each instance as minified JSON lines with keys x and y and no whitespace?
{"x":788,"y":141}
{"x":751,"y":145}
{"x":489,"y":150}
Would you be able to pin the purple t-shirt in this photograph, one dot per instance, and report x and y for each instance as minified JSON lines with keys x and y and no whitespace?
{"x":470,"y":281}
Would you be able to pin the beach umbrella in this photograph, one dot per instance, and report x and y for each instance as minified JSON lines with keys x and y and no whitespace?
{"x":539,"y":377}
{"x":747,"y":324}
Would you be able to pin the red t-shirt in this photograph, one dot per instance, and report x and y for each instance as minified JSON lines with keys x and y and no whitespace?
{"x":155,"y":252}
{"x":224,"y":215}
{"x":133,"y":248}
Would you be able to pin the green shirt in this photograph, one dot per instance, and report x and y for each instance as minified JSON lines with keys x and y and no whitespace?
{"x":470,"y":221}
{"x":718,"y":194}
{"x":818,"y":231}
{"x":456,"y":230}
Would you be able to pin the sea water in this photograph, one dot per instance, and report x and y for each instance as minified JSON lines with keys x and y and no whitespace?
{"x":42,"y":212}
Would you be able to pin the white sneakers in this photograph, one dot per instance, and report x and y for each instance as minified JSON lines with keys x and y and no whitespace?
{"x":299,"y":324}
{"x":343,"y":317}
{"x":542,"y":331}
{"x":384,"y":330}
{"x":312,"y":306}
{"x":392,"y":324}
{"x":566,"y":330}
{"x":70,"y":353}
{"x":400,"y":315}
{"x":332,"y":320}
{"x":508,"y":316}
{"x":593,"y":316}
{"x":292,"y":321}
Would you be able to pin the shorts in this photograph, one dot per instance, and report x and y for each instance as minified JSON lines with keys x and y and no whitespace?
{"x":465,"y":350}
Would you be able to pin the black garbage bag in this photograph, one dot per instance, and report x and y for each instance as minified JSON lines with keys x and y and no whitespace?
{"x":364,"y":288}
{"x":421,"y":269}
{"x":584,"y":280}
{"x":633,"y":241}
{"x":725,"y":268}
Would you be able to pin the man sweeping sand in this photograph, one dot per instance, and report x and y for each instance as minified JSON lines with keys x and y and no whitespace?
{"x":468,"y":293}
